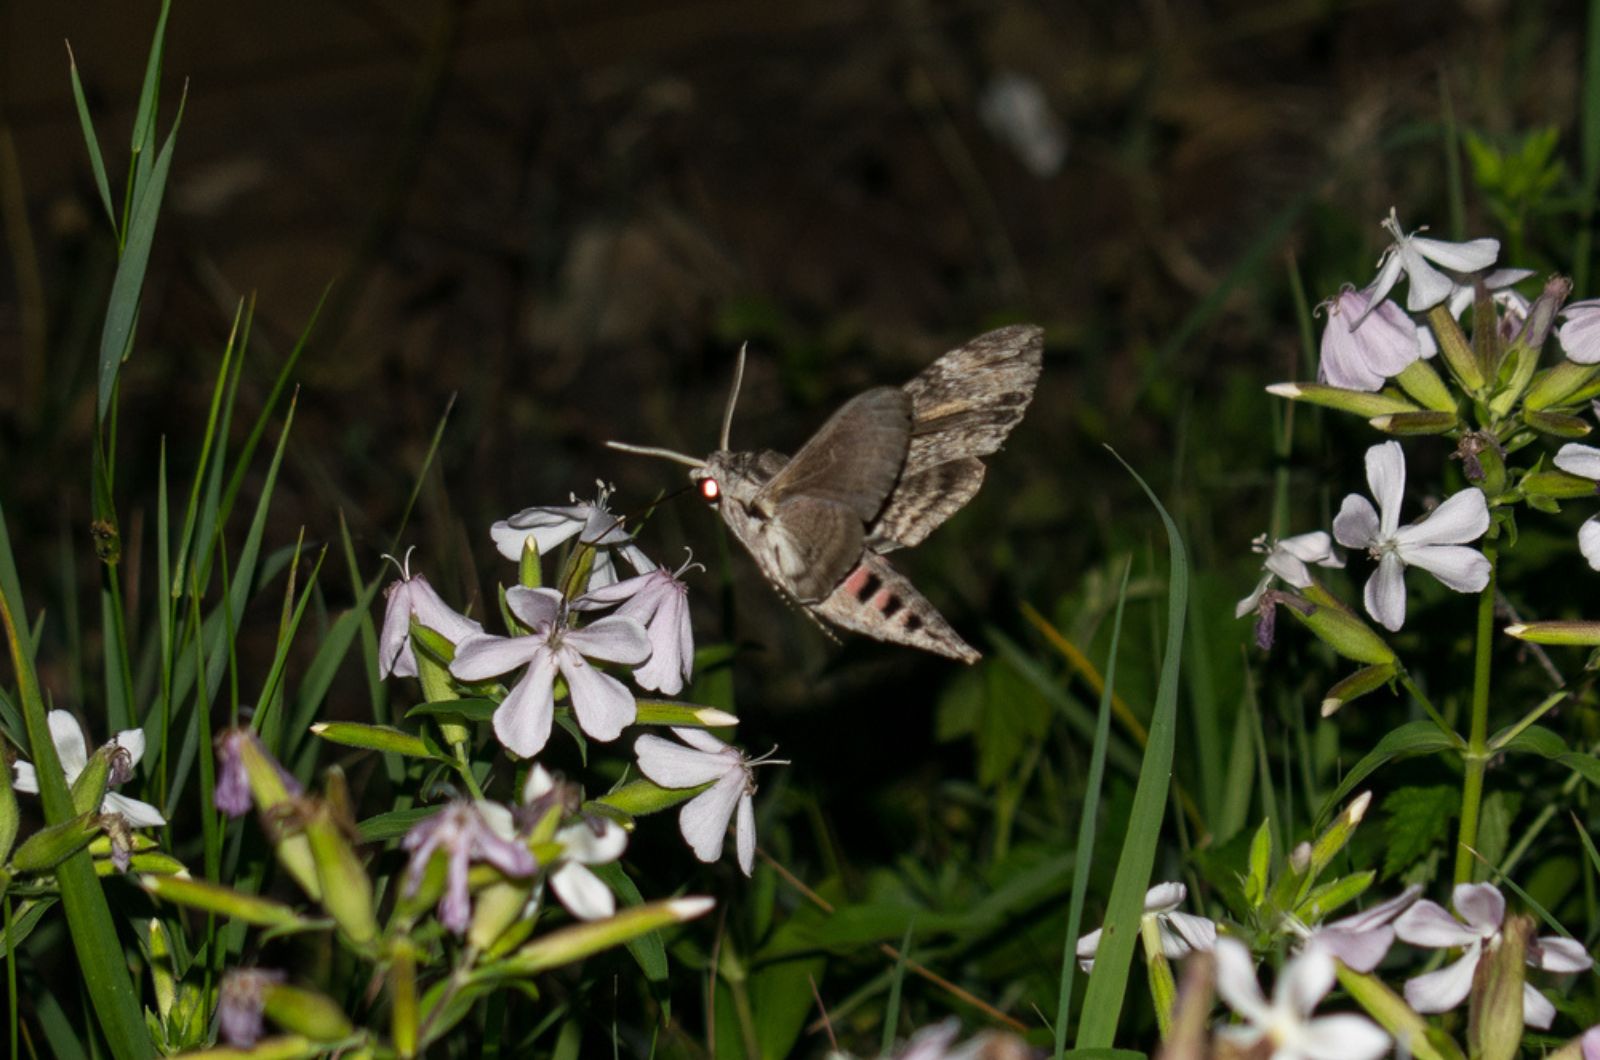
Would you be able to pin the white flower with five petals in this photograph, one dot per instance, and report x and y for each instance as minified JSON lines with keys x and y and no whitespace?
{"x":1436,"y":544}
{"x":1482,"y":909}
{"x":1365,"y":344}
{"x":1181,"y":933}
{"x":1287,"y":559}
{"x":659,"y":601}
{"x":73,"y":754}
{"x":704,"y":818}
{"x":1584,"y":461}
{"x":1287,"y":1023}
{"x":1416,"y":256}
{"x":551,"y":525}
{"x":1362,"y":939}
{"x":412,"y":597}
{"x":603,"y":704}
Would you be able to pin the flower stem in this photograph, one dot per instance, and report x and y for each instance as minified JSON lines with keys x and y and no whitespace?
{"x":1477,"y":753}
{"x":464,"y":767}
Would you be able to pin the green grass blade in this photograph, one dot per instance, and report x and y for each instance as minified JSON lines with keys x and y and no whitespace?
{"x":1088,"y":819}
{"x":891,"y":1015}
{"x":123,"y":308}
{"x":94,"y":935}
{"x":92,"y":141}
{"x":144,"y":118}
{"x":1102,"y":1005}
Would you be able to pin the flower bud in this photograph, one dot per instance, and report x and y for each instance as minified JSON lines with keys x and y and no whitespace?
{"x":1332,"y":397}
{"x":639,"y":798}
{"x":276,"y":795}
{"x":9,"y":814}
{"x":1158,"y":971}
{"x":89,"y":790}
{"x":224,"y":901}
{"x":1542,"y":314}
{"x":1365,"y":680}
{"x":53,"y":844}
{"x":1557,"y":484}
{"x":1410,"y":423}
{"x":1457,"y":353}
{"x":682,"y":715}
{"x":495,"y":909}
{"x":1571,"y":633}
{"x":1333,"y":839}
{"x":346,"y":890}
{"x":529,"y":576}
{"x":306,"y":1012}
{"x":1324,"y":899}
{"x":1338,"y":627}
{"x":1494,"y":1013}
{"x":403,"y":994}
{"x":1557,"y":423}
{"x":1557,"y":385}
{"x":385,"y":738}
{"x":1423,"y":384}
{"x":574,"y":943}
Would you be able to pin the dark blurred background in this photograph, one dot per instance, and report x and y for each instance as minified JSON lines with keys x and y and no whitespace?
{"x":568,"y":216}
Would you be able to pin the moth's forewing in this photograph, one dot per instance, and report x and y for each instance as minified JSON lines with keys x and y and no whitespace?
{"x":879,"y":601}
{"x":963,"y":406}
{"x":854,"y":459}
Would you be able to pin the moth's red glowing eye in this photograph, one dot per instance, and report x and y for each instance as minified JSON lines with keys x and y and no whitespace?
{"x":710,"y":490}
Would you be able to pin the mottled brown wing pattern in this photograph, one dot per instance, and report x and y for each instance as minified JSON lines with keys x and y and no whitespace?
{"x":854,"y":459}
{"x":962,"y":407}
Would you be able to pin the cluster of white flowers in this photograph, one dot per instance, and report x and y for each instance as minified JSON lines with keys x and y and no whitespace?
{"x":640,"y":623}
{"x":1287,"y":1024}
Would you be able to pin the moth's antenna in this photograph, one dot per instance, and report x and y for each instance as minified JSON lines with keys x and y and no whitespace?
{"x":733,"y":398}
{"x":652,"y":450}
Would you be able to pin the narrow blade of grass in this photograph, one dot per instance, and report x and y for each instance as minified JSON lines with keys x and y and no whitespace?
{"x":91,"y":140}
{"x":1102,"y":1006}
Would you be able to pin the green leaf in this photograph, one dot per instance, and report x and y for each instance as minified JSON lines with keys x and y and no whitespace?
{"x":1102,"y":1004}
{"x":92,"y":141}
{"x":471,"y":709}
{"x":394,"y":824}
{"x":1417,"y":818}
{"x":1412,"y":738}
{"x":649,"y":949}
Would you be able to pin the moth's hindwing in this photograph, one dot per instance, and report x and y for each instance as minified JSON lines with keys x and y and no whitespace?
{"x":962,"y":407}
{"x":879,"y":601}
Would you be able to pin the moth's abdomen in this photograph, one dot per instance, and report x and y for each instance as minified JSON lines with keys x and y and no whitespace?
{"x":879,"y":601}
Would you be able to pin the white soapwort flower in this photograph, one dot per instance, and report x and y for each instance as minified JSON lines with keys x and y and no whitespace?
{"x":412,"y":597}
{"x":704,"y":818}
{"x":1436,"y":543}
{"x":603,"y":705}
{"x":1482,"y":909}
{"x":1363,"y":939}
{"x":1416,"y":256}
{"x":1287,"y":1023}
{"x":1365,"y":344}
{"x":1287,"y":559}
{"x":1584,"y":461}
{"x":73,"y":754}
{"x":659,"y":600}
{"x":589,"y":841}
{"x":1181,"y":933}
{"x":589,"y":521}
{"x":1579,"y":333}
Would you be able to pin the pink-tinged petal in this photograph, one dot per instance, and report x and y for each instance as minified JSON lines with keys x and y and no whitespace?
{"x":1385,"y":594}
{"x":522,"y":722}
{"x":660,"y":673}
{"x":1589,"y":541}
{"x":137,"y":814}
{"x":1341,"y":1037}
{"x":1315,"y":547}
{"x":1380,"y":914}
{"x":1427,"y":924}
{"x":24,"y":779}
{"x":1560,"y":955}
{"x":1581,"y":460}
{"x":603,"y":704}
{"x":1426,"y":285}
{"x":678,"y":615}
{"x":67,"y":735}
{"x":615,"y":593}
{"x":497,"y":817}
{"x":395,"y":638}
{"x":675,"y":766}
{"x":1537,"y":1011}
{"x":603,"y":574}
{"x":1383,"y":283}
{"x":1236,"y":981}
{"x":1443,"y":990}
{"x":1356,"y":525}
{"x":580,"y":844}
{"x":1360,"y":951}
{"x":1463,"y":517}
{"x":131,"y":741}
{"x":1471,"y":256}
{"x":1342,"y":360}
{"x":536,"y":609}
{"x":1165,"y":897}
{"x":1590,"y":1042}
{"x":1579,"y":334}
{"x":431,"y":610}
{"x":1386,"y":478}
{"x":612,"y":639}
{"x":1481,"y":905}
{"x":1459,"y":567}
{"x":539,"y":784}
{"x":1291,"y":569}
{"x":1190,"y":932}
{"x":744,"y":834}
{"x":702,"y":740}
{"x":636,"y":558}
{"x":483,"y":656}
{"x":602,"y":528}
{"x":582,"y":892}
{"x":704,"y":820}
{"x":1250,"y":603}
{"x":1304,"y":981}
